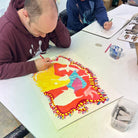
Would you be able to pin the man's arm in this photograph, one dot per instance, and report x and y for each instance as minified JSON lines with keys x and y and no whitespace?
{"x":11,"y":70}
{"x":60,"y":36}
{"x":9,"y":65}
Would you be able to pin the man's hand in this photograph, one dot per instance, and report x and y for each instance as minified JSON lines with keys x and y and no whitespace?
{"x":107,"y":25}
{"x":42,"y":64}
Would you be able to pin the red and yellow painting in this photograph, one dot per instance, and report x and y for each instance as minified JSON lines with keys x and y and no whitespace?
{"x":70,"y":87}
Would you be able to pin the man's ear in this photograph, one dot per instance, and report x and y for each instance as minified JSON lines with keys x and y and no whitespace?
{"x":26,"y":15}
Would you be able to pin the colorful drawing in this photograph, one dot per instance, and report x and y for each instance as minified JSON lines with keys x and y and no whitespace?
{"x":69,"y":86}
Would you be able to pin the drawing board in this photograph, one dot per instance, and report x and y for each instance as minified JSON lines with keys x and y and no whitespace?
{"x":120,"y":17}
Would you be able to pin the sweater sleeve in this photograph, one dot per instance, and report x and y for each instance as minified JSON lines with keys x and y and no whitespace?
{"x":60,"y":36}
{"x":100,"y":12}
{"x":9,"y":66}
{"x":11,"y":70}
{"x":73,"y":22}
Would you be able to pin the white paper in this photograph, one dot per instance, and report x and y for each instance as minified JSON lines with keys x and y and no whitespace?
{"x":120,"y":15}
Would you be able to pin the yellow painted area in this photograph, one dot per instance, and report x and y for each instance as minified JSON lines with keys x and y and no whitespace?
{"x":47,"y":80}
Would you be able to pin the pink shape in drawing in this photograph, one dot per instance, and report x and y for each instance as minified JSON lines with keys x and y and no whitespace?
{"x":77,"y":84}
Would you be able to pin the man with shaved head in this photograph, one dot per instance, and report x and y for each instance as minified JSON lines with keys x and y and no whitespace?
{"x":25,"y":31}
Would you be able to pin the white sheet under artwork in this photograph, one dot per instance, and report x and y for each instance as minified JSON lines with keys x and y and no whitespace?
{"x":59,"y":123}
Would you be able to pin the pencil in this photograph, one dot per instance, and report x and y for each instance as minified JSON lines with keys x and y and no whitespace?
{"x":111,"y":20}
{"x":41,"y":56}
{"x":108,"y":48}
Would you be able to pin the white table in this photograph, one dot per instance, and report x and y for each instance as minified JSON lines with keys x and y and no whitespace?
{"x":122,"y":74}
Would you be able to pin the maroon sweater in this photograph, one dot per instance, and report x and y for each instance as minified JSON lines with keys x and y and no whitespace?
{"x":17,"y":45}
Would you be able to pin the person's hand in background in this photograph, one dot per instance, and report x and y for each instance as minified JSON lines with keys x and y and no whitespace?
{"x":108,"y":25}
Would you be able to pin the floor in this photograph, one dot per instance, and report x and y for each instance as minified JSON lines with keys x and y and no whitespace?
{"x":8,"y":122}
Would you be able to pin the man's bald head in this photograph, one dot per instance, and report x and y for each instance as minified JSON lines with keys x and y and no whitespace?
{"x":37,"y":7}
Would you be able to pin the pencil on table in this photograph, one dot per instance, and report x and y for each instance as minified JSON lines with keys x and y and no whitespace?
{"x":108,"y":48}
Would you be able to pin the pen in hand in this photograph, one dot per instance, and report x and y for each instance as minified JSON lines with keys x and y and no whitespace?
{"x":41,"y":56}
{"x":44,"y":58}
{"x":111,"y":20}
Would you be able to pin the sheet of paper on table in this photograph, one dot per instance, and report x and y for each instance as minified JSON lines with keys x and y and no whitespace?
{"x":65,"y":98}
{"x":120,"y":17}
